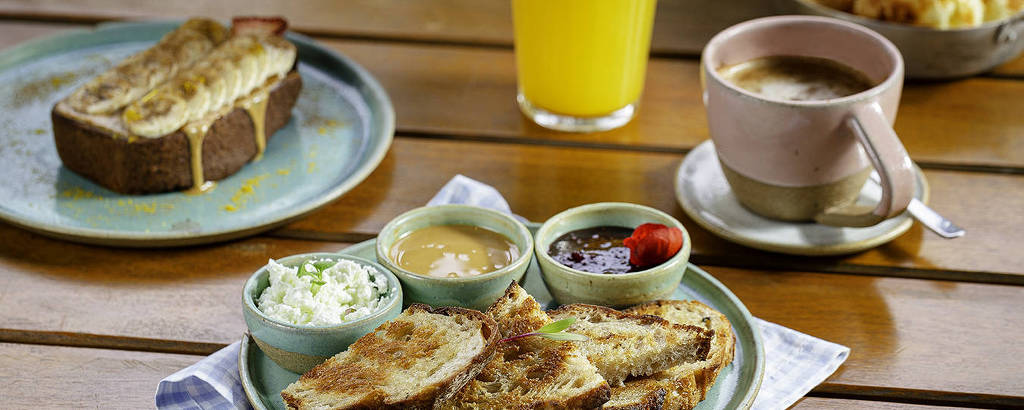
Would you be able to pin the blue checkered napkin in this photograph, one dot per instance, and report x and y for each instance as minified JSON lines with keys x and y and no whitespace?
{"x":211,"y":383}
{"x":794,"y":362}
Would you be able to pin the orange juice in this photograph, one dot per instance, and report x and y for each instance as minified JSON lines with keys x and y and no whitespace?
{"x":582,"y":58}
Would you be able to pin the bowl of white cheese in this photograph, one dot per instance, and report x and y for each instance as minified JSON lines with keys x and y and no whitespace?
{"x":303,"y":309}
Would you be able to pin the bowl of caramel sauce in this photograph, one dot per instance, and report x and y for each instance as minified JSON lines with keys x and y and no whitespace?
{"x":455,"y":255}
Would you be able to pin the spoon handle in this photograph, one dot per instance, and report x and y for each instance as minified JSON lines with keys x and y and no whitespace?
{"x":931,"y":219}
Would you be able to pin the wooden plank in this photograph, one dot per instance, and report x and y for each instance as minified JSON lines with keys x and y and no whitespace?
{"x":540,"y":181}
{"x":898,"y":327}
{"x":46,"y":377}
{"x":807,"y":403}
{"x":902,"y":331}
{"x":1012,"y":69}
{"x":681,"y":26}
{"x":190,"y":294}
{"x":469,"y":92}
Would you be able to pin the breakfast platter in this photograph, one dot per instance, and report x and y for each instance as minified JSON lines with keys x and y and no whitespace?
{"x":736,"y":386}
{"x":340,"y":129}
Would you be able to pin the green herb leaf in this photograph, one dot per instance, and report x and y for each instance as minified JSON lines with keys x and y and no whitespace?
{"x":553,"y":331}
{"x":323,"y":265}
{"x":564,"y":336}
{"x":555,"y":327}
{"x":305,"y":271}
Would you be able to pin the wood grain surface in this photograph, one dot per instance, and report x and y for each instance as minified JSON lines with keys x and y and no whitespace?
{"x":188,"y":295}
{"x":899,"y":329}
{"x":807,"y":403}
{"x":681,"y":26}
{"x":47,"y":377}
{"x":469,"y":93}
{"x":540,"y":181}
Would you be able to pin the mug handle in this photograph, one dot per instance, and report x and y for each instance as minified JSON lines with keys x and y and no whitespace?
{"x":890,"y":159}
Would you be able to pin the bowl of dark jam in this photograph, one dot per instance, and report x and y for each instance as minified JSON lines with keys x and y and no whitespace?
{"x":612,"y":254}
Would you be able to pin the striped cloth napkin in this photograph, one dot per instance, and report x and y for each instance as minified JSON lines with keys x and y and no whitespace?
{"x":794,"y":362}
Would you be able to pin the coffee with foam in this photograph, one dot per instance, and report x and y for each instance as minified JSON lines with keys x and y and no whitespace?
{"x":796,"y":78}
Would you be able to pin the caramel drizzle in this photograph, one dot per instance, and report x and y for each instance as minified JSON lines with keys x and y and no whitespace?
{"x":255,"y":106}
{"x":257,"y":109}
{"x":196,"y":133}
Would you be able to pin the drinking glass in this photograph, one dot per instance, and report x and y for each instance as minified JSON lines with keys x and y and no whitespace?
{"x":581,"y":63}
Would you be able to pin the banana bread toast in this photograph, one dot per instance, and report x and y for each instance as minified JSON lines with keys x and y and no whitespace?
{"x":193,"y":108}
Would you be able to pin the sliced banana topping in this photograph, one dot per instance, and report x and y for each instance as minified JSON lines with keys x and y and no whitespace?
{"x":282,"y":55}
{"x":211,"y":75}
{"x":158,"y":113}
{"x":191,"y":91}
{"x":136,"y":75}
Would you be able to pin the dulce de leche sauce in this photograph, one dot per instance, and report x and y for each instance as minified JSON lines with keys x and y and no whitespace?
{"x":453,"y":251}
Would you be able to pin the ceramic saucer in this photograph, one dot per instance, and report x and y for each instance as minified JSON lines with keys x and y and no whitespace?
{"x":704,"y":194}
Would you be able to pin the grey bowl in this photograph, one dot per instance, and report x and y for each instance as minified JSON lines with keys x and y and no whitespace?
{"x":298,"y":348}
{"x":933,"y":53}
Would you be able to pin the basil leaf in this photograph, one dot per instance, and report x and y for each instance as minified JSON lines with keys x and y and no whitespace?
{"x":563,"y":336}
{"x":555,"y":327}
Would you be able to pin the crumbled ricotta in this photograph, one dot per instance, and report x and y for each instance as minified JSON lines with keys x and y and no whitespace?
{"x":348,"y":292}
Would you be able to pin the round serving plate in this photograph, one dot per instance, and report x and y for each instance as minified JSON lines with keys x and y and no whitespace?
{"x":341,"y":127}
{"x":736,"y":387}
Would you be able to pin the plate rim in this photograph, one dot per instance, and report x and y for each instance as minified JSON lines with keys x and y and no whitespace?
{"x":809,"y":250}
{"x":749,"y":320}
{"x":40,"y":47}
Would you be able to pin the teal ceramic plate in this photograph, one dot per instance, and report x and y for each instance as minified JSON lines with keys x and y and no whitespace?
{"x":341,"y":127}
{"x":735,"y":388}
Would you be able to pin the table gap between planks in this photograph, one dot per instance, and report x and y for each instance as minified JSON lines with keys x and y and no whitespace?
{"x":459,"y":52}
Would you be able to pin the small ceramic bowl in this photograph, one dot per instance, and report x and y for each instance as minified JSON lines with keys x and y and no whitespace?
{"x":298,"y":348}
{"x":476,"y":292}
{"x":568,"y":285}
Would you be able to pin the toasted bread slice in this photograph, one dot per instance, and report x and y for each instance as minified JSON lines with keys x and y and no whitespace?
{"x":407,"y":363}
{"x":623,"y":344}
{"x":686,"y":384}
{"x":531,"y":372}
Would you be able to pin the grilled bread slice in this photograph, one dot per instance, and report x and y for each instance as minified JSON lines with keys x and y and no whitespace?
{"x":686,"y":384}
{"x":530,"y":372}
{"x":423,"y":355}
{"x":623,"y":344}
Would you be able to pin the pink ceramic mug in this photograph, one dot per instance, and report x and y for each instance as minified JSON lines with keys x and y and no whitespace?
{"x":808,"y":160}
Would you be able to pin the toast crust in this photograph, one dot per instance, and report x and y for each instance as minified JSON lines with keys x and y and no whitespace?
{"x":134,"y":165}
{"x":530,"y":372}
{"x":398,"y":344}
{"x":688,"y":384}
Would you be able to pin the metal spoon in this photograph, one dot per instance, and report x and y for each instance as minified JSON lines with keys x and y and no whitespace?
{"x":927,"y":216}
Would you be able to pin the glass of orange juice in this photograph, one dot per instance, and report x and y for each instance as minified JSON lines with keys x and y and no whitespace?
{"x":581,"y":63}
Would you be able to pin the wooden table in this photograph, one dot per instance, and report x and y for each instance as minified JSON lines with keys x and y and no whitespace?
{"x":930,"y":322}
